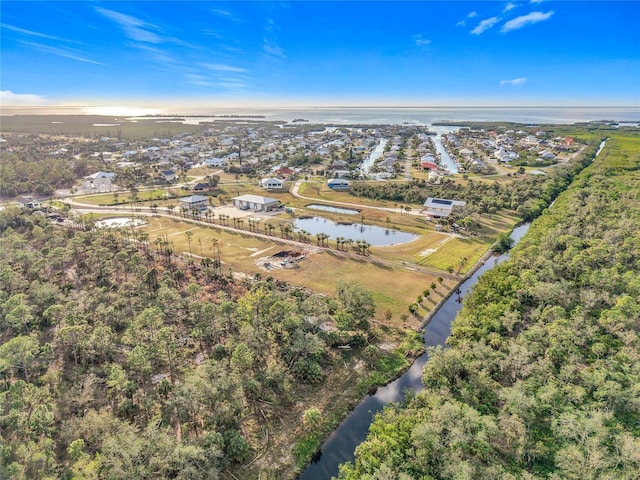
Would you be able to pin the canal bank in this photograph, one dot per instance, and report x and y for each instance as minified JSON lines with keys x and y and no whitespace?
{"x":340,"y":445}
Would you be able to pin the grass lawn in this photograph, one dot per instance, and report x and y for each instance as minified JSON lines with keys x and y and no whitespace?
{"x":393,"y":288}
{"x":451,"y":253}
{"x":123,"y":197}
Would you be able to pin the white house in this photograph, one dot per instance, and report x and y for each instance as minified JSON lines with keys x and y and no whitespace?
{"x":98,"y":182}
{"x":256,"y":203}
{"x":441,"y":207}
{"x":194,"y":202}
{"x":271,"y":183}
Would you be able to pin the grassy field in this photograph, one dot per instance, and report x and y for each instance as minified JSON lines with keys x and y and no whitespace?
{"x":394,"y":287}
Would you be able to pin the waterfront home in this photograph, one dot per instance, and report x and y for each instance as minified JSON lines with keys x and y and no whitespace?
{"x":428,"y":163}
{"x":256,"y":203}
{"x":441,"y":207}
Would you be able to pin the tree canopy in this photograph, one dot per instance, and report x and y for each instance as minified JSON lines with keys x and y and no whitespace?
{"x":542,"y":377}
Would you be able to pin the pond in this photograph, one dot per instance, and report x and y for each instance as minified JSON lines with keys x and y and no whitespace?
{"x":376,"y":236}
{"x":329,"y":208}
{"x":119,"y":222}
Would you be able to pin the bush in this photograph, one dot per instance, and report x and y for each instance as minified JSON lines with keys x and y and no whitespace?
{"x":307,"y":370}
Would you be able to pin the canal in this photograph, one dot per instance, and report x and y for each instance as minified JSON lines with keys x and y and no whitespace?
{"x":340,"y":446}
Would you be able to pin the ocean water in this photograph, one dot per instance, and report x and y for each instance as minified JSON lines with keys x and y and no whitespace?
{"x":377,"y":115}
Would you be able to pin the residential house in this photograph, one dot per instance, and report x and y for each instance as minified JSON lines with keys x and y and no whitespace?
{"x":338,"y":184}
{"x":428,"y":163}
{"x":256,"y":203}
{"x":99,"y":182}
{"x":284,"y":172}
{"x":272,"y":183}
{"x":215,"y":162}
{"x":201,"y":187}
{"x":168,"y":175}
{"x":194,"y":202}
{"x":441,"y":207}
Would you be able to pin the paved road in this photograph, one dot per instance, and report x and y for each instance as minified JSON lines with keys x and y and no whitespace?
{"x":147,"y":211}
{"x":296,"y":188}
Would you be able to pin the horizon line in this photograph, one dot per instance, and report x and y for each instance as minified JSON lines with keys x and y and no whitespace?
{"x":325,"y":106}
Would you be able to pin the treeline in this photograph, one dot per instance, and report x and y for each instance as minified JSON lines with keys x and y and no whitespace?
{"x":542,"y":379}
{"x":119,"y":360}
{"x":40,"y":173}
{"x":528,"y":196}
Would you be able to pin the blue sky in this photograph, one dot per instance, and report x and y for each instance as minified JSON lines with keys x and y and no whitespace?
{"x":259,"y":53}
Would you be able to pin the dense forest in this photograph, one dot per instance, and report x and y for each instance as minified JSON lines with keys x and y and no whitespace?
{"x":34,"y":164}
{"x":542,"y":377}
{"x":120,"y":360}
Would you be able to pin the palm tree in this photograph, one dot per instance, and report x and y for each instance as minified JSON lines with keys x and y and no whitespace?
{"x":189,"y":235}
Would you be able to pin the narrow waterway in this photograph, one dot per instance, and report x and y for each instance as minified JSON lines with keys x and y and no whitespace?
{"x":340,"y":446}
{"x":376,"y":153}
{"x":445,"y":159}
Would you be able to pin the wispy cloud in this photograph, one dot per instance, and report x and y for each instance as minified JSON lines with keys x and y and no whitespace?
{"x":463,"y":23}
{"x":273,"y":50}
{"x":30,"y":33}
{"x":525,"y":20}
{"x":514,"y":82}
{"x":198,"y":80}
{"x":485,"y":25}
{"x":226,"y":14}
{"x":9,"y":98}
{"x":133,"y":27}
{"x":156,"y":54}
{"x":220,"y":75}
{"x":421,"y":42}
{"x":536,"y":1}
{"x":60,"y":52}
{"x":509,"y":6}
{"x":220,"y":67}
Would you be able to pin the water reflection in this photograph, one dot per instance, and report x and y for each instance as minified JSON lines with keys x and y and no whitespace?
{"x":376,"y":236}
{"x":329,"y":208}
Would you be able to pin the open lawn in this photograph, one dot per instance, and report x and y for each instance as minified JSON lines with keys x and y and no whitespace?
{"x":123,"y":197}
{"x":394,"y":288}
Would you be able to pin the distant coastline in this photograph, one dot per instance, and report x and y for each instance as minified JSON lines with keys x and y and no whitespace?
{"x":372,"y":114}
